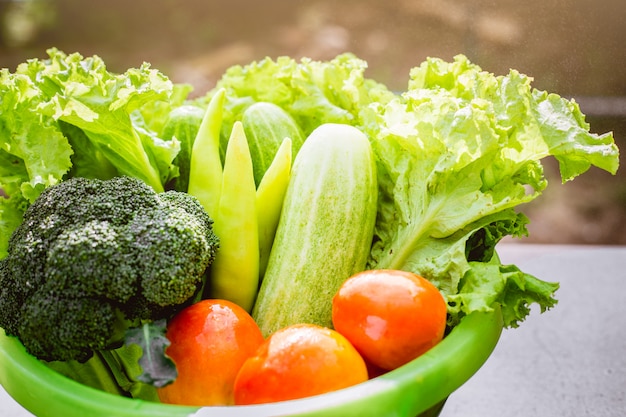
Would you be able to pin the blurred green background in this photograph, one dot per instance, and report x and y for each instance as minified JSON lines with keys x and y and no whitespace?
{"x":575,"y":48}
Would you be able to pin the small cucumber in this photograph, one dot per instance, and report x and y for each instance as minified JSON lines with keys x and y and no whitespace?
{"x":325,"y":229}
{"x":266,"y":126}
{"x":183,"y":124}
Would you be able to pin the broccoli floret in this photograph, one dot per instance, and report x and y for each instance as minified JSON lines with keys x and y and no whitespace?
{"x":10,"y":299}
{"x":81,"y":326}
{"x":70,"y":204}
{"x":173,"y":240}
{"x":94,"y":257}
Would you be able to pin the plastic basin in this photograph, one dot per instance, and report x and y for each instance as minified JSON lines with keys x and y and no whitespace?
{"x":418,"y":388}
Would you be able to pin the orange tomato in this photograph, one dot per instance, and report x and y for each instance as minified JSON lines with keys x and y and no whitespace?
{"x":391,"y":317}
{"x":210,"y":340}
{"x":299,"y":361}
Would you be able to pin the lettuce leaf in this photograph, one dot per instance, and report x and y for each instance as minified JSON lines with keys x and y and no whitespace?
{"x":36,"y":153}
{"x":313,"y":92}
{"x":81,"y":92}
{"x":33,"y":153}
{"x":457,"y":153}
{"x":487,"y":284}
{"x":69,"y":116}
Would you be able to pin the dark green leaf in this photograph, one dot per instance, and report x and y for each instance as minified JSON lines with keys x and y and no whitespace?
{"x":158,"y":369}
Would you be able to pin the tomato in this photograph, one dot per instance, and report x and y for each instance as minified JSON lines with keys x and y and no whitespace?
{"x":391,"y":317}
{"x":210,"y":340}
{"x":299,"y":361}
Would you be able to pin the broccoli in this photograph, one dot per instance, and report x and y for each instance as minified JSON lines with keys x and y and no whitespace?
{"x":93,"y":258}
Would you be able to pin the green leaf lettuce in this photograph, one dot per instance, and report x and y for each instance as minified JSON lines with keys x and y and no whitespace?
{"x":458,"y":152}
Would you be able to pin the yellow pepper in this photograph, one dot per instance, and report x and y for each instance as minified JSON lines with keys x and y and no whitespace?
{"x":235,"y":271}
{"x":269,"y":200}
{"x":205,"y":166}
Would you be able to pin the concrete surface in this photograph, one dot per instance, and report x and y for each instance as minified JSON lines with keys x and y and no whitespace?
{"x":567,"y":362}
{"x":9,"y":408}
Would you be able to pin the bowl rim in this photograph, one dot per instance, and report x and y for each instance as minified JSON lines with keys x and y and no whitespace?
{"x":435,"y":375}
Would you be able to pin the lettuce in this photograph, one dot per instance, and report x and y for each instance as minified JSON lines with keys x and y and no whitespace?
{"x":313,"y":92}
{"x":457,"y":153}
{"x":69,"y":116}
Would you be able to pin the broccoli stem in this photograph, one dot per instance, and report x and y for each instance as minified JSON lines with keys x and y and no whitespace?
{"x":112,"y":371}
{"x":95,"y":373}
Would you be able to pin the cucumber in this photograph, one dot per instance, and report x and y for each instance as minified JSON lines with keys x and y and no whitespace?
{"x":325,"y":229}
{"x":266,"y":126}
{"x":183,"y":124}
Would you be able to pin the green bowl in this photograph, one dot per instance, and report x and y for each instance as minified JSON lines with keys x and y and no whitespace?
{"x":419,"y":388}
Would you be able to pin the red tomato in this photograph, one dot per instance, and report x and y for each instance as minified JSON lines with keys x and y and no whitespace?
{"x":210,"y":340}
{"x":299,"y":361}
{"x":391,"y":317}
